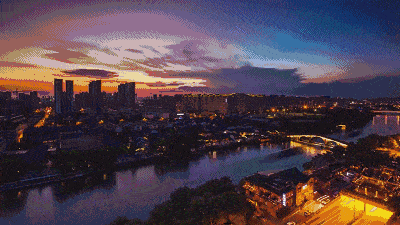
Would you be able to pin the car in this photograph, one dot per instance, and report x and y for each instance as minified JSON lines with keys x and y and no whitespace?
{"x":291,"y":223}
{"x":325,"y":201}
{"x":307,"y":213}
{"x":323,"y":198}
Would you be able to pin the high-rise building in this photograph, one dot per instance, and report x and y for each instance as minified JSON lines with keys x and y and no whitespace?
{"x":70,"y":94}
{"x":95,"y":87}
{"x":121,"y":95}
{"x":33,"y":94}
{"x":83,"y":100}
{"x":130,"y":94}
{"x":58,"y":89}
{"x":22,"y":96}
{"x":95,"y":94}
{"x":6,"y":96}
{"x":34,"y":99}
{"x":126,"y":94}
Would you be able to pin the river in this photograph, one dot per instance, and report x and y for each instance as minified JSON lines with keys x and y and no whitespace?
{"x":383,"y":125}
{"x":134,"y":192}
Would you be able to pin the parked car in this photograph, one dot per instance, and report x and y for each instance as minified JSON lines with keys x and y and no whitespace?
{"x":324,"y":199}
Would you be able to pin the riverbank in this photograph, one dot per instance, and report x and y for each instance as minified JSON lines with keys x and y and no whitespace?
{"x":122,"y":162}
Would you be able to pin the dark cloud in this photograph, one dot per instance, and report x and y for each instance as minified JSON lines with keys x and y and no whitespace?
{"x":246,"y":79}
{"x":381,"y":86}
{"x":91,"y":73}
{"x":188,"y":52}
{"x":162,"y":84}
{"x":199,"y":54}
{"x":171,"y":91}
{"x":146,"y":65}
{"x":134,"y":51}
{"x":272,"y":81}
{"x":209,"y":59}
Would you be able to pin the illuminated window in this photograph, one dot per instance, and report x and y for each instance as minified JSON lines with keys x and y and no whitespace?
{"x":284,"y":199}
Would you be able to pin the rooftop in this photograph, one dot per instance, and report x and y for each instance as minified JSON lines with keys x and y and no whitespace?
{"x":279,"y":183}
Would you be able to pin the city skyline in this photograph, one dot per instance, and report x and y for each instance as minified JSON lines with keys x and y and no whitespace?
{"x":254,"y":47}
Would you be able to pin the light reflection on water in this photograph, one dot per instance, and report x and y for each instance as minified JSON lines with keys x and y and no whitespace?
{"x":383,"y":125}
{"x":40,"y":206}
{"x":135,"y":192}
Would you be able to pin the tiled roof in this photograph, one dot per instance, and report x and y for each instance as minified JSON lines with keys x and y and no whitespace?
{"x":279,"y":183}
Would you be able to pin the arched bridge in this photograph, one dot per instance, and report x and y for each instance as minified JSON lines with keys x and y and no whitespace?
{"x":317,"y":140}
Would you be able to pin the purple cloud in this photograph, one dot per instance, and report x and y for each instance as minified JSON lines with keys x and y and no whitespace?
{"x":91,"y":73}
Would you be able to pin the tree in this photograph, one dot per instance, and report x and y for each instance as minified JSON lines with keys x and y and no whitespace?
{"x":123,"y":220}
{"x":182,"y":195}
{"x":372,"y":141}
{"x":12,"y":167}
{"x":204,"y":205}
{"x":162,"y":214}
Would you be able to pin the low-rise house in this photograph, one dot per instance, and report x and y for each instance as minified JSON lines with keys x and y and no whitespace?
{"x":322,"y":178}
{"x":83,"y":142}
{"x":275,"y":192}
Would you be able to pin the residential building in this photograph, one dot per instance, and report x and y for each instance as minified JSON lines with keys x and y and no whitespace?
{"x":272,"y":193}
{"x":58,"y":90}
{"x":70,"y":95}
{"x":95,"y":94}
{"x":126,"y":95}
{"x":95,"y":87}
{"x":5,"y":96}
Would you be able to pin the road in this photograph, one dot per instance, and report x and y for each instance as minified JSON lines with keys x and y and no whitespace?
{"x":298,"y":215}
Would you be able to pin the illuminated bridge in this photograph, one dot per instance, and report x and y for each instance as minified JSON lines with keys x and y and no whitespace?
{"x":317,"y":140}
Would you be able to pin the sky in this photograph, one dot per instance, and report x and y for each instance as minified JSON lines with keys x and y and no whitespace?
{"x":206,"y":46}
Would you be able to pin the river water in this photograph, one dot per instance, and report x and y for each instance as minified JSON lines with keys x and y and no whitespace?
{"x":135,"y":192}
{"x":383,"y":125}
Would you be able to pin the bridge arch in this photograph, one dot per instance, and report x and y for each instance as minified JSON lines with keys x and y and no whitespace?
{"x":331,"y":144}
{"x":304,"y":139}
{"x":317,"y":140}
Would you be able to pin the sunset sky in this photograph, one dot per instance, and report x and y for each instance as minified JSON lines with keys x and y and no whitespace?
{"x":170,"y":47}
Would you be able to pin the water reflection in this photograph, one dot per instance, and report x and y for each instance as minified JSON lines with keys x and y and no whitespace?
{"x":40,"y":206}
{"x":70,"y":188}
{"x":124,"y":183}
{"x":146,"y":178}
{"x":12,"y":202}
{"x":162,"y":169}
{"x":308,"y":150}
{"x":383,"y":125}
{"x":134,"y":192}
